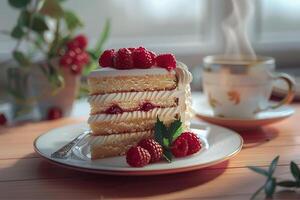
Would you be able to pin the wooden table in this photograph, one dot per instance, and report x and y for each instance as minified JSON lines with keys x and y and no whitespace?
{"x":25,"y":175}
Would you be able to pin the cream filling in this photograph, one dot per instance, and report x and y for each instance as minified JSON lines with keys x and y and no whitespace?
{"x":162,"y":113}
{"x":118,"y":138}
{"x":134,"y":96}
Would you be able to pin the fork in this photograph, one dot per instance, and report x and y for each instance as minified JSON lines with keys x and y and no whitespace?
{"x":64,"y":152}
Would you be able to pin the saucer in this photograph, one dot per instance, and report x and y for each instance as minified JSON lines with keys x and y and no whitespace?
{"x":219,"y":144}
{"x":205,"y":112}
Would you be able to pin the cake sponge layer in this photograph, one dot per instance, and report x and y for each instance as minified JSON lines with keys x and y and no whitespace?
{"x":103,"y":85}
{"x":123,"y":127}
{"x":115,"y":145}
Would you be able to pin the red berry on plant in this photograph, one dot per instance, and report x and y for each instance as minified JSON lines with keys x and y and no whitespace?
{"x":79,"y":41}
{"x":124,"y":59}
{"x":107,"y":58}
{"x":137,"y":157}
{"x":166,"y":61}
{"x":193,"y":142}
{"x":153,"y":147}
{"x":65,"y":61}
{"x":76,"y":69}
{"x":180,"y":147}
{"x":54,"y":113}
{"x":142,"y":58}
{"x":3,"y":119}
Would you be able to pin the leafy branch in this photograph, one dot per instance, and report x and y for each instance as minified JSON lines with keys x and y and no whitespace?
{"x":271,"y":182}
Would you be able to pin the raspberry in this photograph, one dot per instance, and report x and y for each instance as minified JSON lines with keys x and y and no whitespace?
{"x":153,"y":147}
{"x":54,"y":113}
{"x":137,"y":157}
{"x":180,"y":147}
{"x":107,"y":57}
{"x":79,"y":41}
{"x":123,"y":59}
{"x":81,"y":59}
{"x":193,"y":142}
{"x":3,"y":119}
{"x":114,"y":109}
{"x":65,"y":61}
{"x":153,"y":56}
{"x":142,"y":58}
{"x":166,"y":61}
{"x":76,"y":69}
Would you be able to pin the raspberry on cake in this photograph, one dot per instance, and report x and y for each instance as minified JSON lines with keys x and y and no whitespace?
{"x":128,"y":96}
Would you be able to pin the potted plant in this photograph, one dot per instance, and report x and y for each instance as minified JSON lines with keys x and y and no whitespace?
{"x":49,"y":57}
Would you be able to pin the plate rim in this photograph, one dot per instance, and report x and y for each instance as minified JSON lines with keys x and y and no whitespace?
{"x":138,"y":172}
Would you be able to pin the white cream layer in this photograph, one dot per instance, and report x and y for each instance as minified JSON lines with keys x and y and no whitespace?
{"x":134,"y":96}
{"x":107,"y":72}
{"x":162,"y":113}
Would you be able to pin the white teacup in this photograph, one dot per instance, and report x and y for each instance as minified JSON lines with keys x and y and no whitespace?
{"x":238,"y":88}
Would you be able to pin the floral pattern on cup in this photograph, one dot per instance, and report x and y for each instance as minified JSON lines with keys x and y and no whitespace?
{"x":234,"y":96}
{"x":212,"y":101}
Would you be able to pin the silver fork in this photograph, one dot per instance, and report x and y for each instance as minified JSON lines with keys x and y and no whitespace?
{"x":64,"y":152}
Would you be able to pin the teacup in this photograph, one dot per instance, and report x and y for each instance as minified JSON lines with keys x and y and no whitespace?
{"x":241,"y":88}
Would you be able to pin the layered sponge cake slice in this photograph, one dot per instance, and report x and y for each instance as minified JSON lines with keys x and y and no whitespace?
{"x":125,"y":104}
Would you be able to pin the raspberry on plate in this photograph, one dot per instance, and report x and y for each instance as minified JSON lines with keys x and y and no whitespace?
{"x":142,"y":58}
{"x":180,"y":147}
{"x":193,"y":141}
{"x":166,"y":61}
{"x":137,"y":157}
{"x":153,"y":147}
{"x":124,"y":59}
{"x":107,"y":58}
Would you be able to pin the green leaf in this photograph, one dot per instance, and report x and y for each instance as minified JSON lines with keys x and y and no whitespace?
{"x":21,"y":58}
{"x":17,"y":32}
{"x":18,"y":3}
{"x":23,"y":19}
{"x":72,"y":20}
{"x":287,"y":183}
{"x":159,"y":130}
{"x":295,"y":171}
{"x":259,"y":170}
{"x":273,"y":165}
{"x":39,"y":24}
{"x":270,"y":187}
{"x":34,"y":21}
{"x":257,"y":192}
{"x":167,"y":155}
{"x":175,"y":129}
{"x":103,"y":37}
{"x":166,"y":142}
{"x":52,"y":9}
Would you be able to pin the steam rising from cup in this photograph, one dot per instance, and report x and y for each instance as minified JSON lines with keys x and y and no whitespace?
{"x":237,"y":44}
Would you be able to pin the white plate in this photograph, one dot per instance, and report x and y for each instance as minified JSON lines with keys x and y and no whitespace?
{"x":205,"y":112}
{"x":220,"y":144}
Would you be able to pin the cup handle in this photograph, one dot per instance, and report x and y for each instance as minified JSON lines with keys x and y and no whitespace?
{"x":291,"y":90}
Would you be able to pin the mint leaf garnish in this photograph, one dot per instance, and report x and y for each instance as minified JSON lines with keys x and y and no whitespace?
{"x":167,"y":154}
{"x":175,"y":129}
{"x":159,"y":130}
{"x":166,"y":135}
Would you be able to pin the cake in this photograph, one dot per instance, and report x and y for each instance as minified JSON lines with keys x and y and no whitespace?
{"x":127,"y":98}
